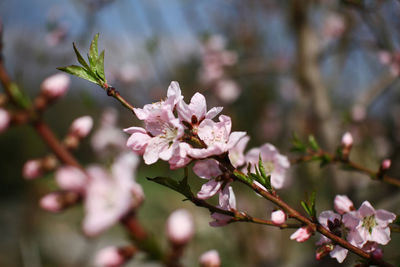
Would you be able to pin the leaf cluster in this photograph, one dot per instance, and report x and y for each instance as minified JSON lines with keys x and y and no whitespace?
{"x":309,"y":205}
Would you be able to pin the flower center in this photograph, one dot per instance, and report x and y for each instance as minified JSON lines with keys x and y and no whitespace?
{"x":369,"y":223}
{"x":269,"y":166}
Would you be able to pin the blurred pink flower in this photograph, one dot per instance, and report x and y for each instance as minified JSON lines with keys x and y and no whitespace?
{"x":4,"y":119}
{"x":343,"y":204}
{"x":81,"y":126}
{"x":385,"y":165}
{"x":32,"y":169}
{"x":275,"y":164}
{"x":51,"y":202}
{"x":180,"y":227}
{"x":109,"y":257}
{"x":227,"y":90}
{"x":210,"y":259}
{"x":347,"y":139}
{"x":71,"y":178}
{"x":55,"y":86}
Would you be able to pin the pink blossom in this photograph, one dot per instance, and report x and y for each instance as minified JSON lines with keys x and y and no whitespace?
{"x":227,"y":90}
{"x":180,"y":227}
{"x":275,"y":164}
{"x":236,"y":153}
{"x":385,"y":165}
{"x":109,"y":197}
{"x":227,"y":201}
{"x":51,"y":202}
{"x":180,"y":156}
{"x":343,"y":204}
{"x":208,"y":169}
{"x":347,"y":139}
{"x":210,"y":259}
{"x":373,"y":225}
{"x":109,"y":257}
{"x":302,"y":234}
{"x":71,"y":178}
{"x":32,"y":169}
{"x":217,"y":136}
{"x":4,"y":119}
{"x":138,"y":140}
{"x":278,"y":217}
{"x":81,"y":126}
{"x":55,"y":86}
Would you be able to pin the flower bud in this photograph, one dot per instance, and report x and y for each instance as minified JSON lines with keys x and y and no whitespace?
{"x":210,"y":259}
{"x":55,"y":86}
{"x":51,"y":202}
{"x":32,"y":169}
{"x":180,"y":227}
{"x":386,"y":164}
{"x":4,"y":119}
{"x":377,"y":254}
{"x":71,"y":178}
{"x":302,"y":234}
{"x":347,"y":140}
{"x":278,"y":217}
{"x":112,"y":257}
{"x":343,"y":204}
{"x":81,"y":126}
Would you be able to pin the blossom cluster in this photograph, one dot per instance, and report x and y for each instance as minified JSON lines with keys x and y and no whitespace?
{"x":179,"y":133}
{"x":365,"y":228}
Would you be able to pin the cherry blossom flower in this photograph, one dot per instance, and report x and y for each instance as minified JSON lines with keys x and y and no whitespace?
{"x":109,"y":197}
{"x":81,"y":126}
{"x":4,"y":119}
{"x":278,"y":217}
{"x":275,"y":164}
{"x":217,"y":136}
{"x":55,"y":86}
{"x":180,"y":227}
{"x":343,"y":204}
{"x":227,"y":201}
{"x":208,"y":169}
{"x":301,"y":235}
{"x":236,"y":153}
{"x":227,"y":90}
{"x":210,"y":259}
{"x":373,"y":225}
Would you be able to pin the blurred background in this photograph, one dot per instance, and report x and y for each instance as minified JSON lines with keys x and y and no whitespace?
{"x":277,"y":67}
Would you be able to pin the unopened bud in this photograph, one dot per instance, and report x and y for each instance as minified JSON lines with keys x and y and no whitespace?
{"x":302,"y":234}
{"x":386,"y":164}
{"x":278,"y":217}
{"x":51,"y":202}
{"x":377,"y":254}
{"x":343,"y":204}
{"x":113,"y":256}
{"x":323,"y":251}
{"x":4,"y":119}
{"x":81,"y":126}
{"x":55,"y":86}
{"x":180,"y":227}
{"x":210,"y":259}
{"x":32,"y":169}
{"x":347,"y":140}
{"x":71,"y":178}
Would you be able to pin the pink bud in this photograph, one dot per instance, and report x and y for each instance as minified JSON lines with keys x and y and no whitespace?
{"x":55,"y":86}
{"x":343,"y":204}
{"x":301,"y":235}
{"x":347,"y":139}
{"x":71,"y":178}
{"x":278,"y":217}
{"x":51,"y":202}
{"x":180,"y":227}
{"x":109,"y":257}
{"x":82,"y":126}
{"x":210,"y":259}
{"x":386,"y":164}
{"x":377,"y":254}
{"x":384,"y":57}
{"x":32,"y":169}
{"x":4,"y":119}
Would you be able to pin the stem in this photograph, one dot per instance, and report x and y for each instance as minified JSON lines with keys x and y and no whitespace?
{"x":111,"y":91}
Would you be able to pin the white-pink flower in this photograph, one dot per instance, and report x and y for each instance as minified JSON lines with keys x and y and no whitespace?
{"x":278,"y":217}
{"x":81,"y":126}
{"x":180,"y":227}
{"x":55,"y":86}
{"x":236,"y":153}
{"x":373,"y":225}
{"x":4,"y":119}
{"x":343,"y":204}
{"x":210,"y":259}
{"x":71,"y":178}
{"x":301,"y":235}
{"x":217,"y":136}
{"x":275,"y":164}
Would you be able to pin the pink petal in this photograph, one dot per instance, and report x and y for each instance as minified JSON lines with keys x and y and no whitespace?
{"x":209,"y":189}
{"x":380,"y":235}
{"x":213,"y":112}
{"x":207,"y":169}
{"x":339,"y":253}
{"x":366,"y":209}
{"x":384,"y":217}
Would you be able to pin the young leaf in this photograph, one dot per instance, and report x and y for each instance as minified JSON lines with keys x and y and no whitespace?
{"x":306,"y":208}
{"x":298,"y":145}
{"x":100,"y":67}
{"x":313,"y":143}
{"x":80,"y":58}
{"x":93,"y":53}
{"x":80,"y":72}
{"x":266,"y":179}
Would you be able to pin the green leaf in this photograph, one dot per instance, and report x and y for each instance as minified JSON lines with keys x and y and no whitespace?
{"x":325,"y":160}
{"x":22,"y":100}
{"x":305,"y":207}
{"x":80,"y":72}
{"x":80,"y":58}
{"x":309,"y":206}
{"x":100,"y":67}
{"x":178,"y":186}
{"x":93,"y":53}
{"x":313,"y":143}
{"x":266,"y":179}
{"x":298,"y":145}
{"x":242,"y":177}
